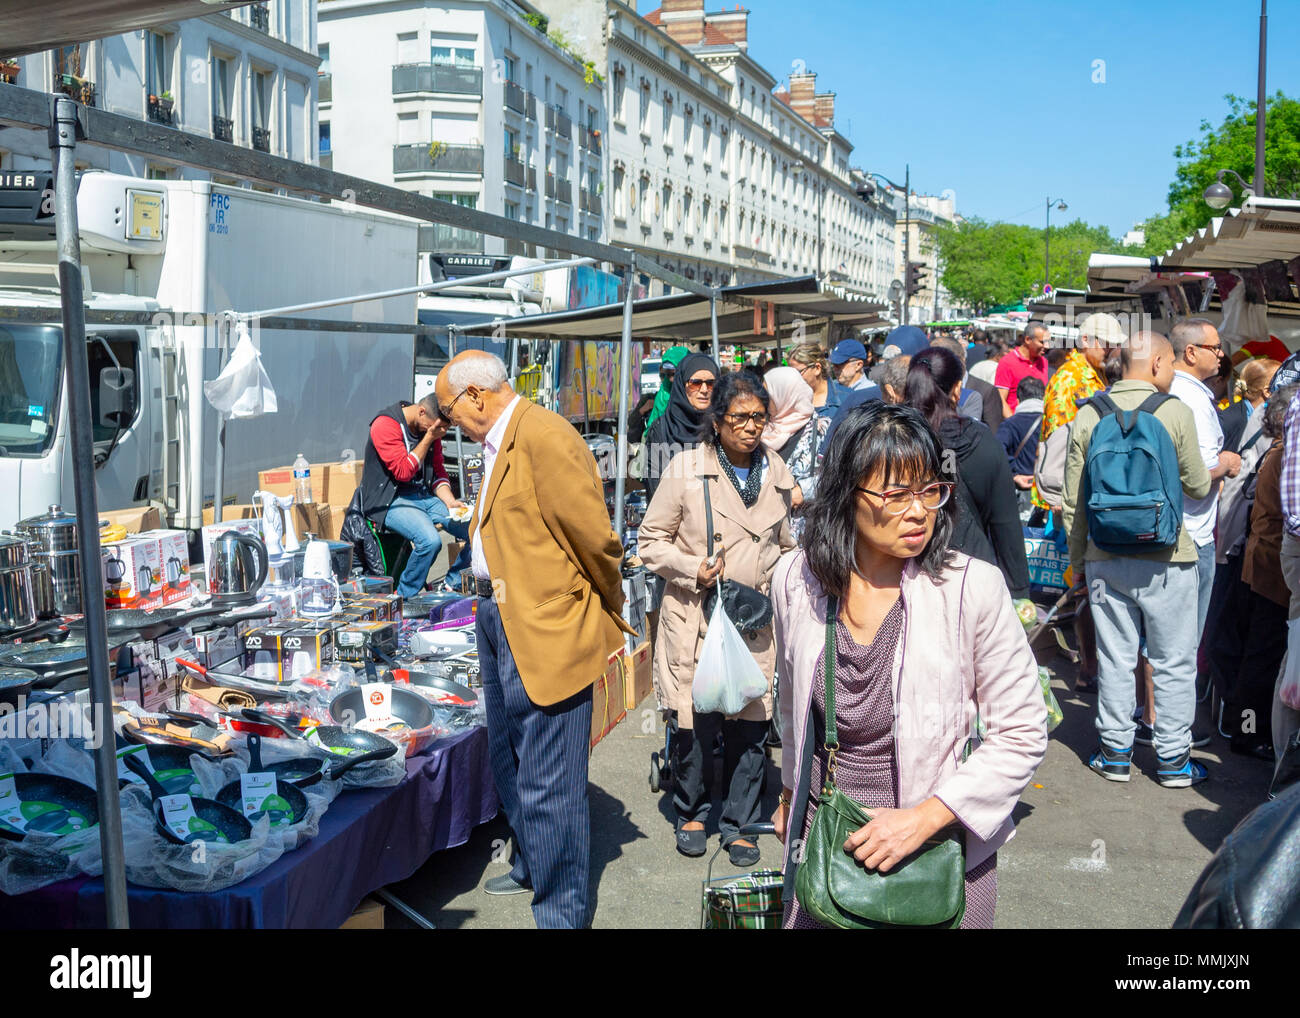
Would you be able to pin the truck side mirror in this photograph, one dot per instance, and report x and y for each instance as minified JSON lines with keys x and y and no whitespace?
{"x":116,"y":397}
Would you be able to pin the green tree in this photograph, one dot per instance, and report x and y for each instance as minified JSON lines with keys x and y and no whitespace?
{"x":1229,"y":146}
{"x":985,"y":264}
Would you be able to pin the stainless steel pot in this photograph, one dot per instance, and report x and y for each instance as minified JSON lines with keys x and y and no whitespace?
{"x":17,"y":606}
{"x":54,"y":537}
{"x":43,"y":589}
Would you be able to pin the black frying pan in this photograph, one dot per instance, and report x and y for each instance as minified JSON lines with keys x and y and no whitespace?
{"x":292,"y":808}
{"x":216,"y":822}
{"x":173,"y":767}
{"x":15,"y":683}
{"x":342,"y":741}
{"x":53,"y":805}
{"x":409,"y":707}
{"x":306,"y":771}
{"x":152,"y":625}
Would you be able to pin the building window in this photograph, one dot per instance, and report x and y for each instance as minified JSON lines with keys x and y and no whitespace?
{"x":668,"y":207}
{"x":158,"y":67}
{"x":469,"y":201}
{"x":512,"y":210}
{"x":688,"y":132}
{"x":620,"y":85}
{"x":510,"y":69}
{"x":512,"y":144}
{"x":324,"y":146}
{"x":458,"y":56}
{"x":620,"y":198}
{"x":222,"y":108}
{"x":645,"y":105}
{"x":261,"y":100}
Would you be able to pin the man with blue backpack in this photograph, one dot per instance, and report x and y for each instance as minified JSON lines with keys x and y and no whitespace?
{"x":1133,"y":456}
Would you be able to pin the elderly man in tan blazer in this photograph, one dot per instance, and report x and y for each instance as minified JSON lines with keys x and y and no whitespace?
{"x":546,"y":564}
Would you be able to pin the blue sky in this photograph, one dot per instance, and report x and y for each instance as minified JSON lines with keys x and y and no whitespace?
{"x":996,"y":100}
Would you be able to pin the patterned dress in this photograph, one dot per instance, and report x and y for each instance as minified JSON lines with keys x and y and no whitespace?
{"x":865,"y":766}
{"x":1074,"y":380}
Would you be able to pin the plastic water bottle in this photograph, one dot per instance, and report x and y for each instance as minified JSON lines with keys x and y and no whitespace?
{"x":302,"y":480}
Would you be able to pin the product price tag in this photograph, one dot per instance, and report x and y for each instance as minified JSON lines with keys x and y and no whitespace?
{"x":179,"y":818}
{"x":255,"y":789}
{"x":378,"y":700}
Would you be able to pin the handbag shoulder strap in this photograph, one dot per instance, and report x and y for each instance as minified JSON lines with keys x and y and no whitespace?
{"x":832,"y":740}
{"x":708,"y":518}
{"x":1029,"y":433}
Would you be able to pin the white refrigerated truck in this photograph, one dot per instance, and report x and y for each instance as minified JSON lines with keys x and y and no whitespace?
{"x":163,"y":259}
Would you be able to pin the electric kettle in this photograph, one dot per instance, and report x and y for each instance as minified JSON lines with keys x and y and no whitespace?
{"x":237,"y":568}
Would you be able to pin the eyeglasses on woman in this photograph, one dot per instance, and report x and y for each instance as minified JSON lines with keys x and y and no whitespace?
{"x":897,"y":501}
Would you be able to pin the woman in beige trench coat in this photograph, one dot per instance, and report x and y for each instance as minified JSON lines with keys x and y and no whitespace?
{"x":751,"y":493}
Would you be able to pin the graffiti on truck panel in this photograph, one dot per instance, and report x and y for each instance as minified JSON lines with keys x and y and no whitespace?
{"x":598,"y":362}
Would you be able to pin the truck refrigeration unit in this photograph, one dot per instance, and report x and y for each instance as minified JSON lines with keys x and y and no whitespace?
{"x":161,"y":261}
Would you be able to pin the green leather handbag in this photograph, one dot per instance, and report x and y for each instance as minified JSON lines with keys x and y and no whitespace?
{"x":927,"y":889}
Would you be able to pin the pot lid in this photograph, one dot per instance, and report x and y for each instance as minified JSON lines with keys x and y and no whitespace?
{"x":55,"y":518}
{"x":17,"y":677}
{"x":13,"y":552}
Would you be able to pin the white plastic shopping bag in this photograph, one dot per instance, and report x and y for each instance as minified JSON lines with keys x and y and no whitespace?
{"x":243,"y":389}
{"x":1289,"y":690}
{"x":727,"y":676}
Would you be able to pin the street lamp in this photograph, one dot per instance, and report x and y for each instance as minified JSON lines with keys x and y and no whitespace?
{"x":1047,"y":239}
{"x":1219,"y":195}
{"x":907,"y":228}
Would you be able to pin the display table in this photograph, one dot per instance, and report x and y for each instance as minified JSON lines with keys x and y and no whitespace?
{"x":368,"y":838}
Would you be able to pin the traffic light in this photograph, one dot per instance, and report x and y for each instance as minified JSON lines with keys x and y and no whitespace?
{"x":916,"y":273}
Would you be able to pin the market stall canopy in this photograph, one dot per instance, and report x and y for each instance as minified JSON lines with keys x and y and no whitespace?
{"x":30,"y":27}
{"x":685,"y":316}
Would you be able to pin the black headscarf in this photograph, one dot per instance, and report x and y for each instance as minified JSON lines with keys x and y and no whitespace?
{"x":681,"y":421}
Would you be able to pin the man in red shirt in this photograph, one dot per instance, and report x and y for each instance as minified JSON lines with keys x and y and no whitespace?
{"x":405,"y":488}
{"x":1025,"y":360}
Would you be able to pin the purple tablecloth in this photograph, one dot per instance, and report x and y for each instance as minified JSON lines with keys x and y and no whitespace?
{"x":368,"y":838}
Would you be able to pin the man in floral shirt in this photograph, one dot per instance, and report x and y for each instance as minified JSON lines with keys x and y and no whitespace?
{"x":1079,"y":377}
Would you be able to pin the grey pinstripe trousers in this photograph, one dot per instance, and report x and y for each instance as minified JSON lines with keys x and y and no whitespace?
{"x":539,"y":763}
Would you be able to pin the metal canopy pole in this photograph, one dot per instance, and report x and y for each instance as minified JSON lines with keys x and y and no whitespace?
{"x":624,"y":370}
{"x":63,"y":143}
{"x":219,"y":479}
{"x":713,"y":327}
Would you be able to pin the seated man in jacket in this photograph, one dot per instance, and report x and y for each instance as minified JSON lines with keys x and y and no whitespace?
{"x":405,"y":488}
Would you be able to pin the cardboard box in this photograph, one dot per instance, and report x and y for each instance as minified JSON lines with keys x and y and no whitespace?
{"x":637,"y":677}
{"x":237,"y":511}
{"x":264,"y":646}
{"x":133,"y":574}
{"x":356,"y":643}
{"x":136,"y":520}
{"x":607,"y":698}
{"x":174,"y":556}
{"x":331,"y":483}
{"x":368,"y":916}
{"x":305,"y":649}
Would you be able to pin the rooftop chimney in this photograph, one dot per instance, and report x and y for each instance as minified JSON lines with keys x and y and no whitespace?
{"x":824,"y":107}
{"x":732,"y":25}
{"x":683,"y":20}
{"x":803,"y":99}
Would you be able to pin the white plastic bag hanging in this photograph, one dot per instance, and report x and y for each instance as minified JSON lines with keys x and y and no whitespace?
{"x":243,"y":388}
{"x":727,"y":676}
{"x":1243,"y":322}
{"x":1288,"y":691}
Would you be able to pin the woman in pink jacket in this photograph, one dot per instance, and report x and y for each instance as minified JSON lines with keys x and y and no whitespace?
{"x":929,"y":653}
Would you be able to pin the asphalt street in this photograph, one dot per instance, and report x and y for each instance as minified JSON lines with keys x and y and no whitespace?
{"x":1088,"y":853}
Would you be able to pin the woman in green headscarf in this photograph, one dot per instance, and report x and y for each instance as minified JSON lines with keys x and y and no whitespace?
{"x":672,"y":357}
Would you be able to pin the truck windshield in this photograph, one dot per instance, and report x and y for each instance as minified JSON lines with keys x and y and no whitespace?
{"x":31,"y":376}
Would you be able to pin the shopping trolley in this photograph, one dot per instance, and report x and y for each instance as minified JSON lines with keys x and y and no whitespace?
{"x":744,"y":901}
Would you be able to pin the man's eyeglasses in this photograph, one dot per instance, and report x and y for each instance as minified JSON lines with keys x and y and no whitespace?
{"x":738,"y":421}
{"x":696,"y":384}
{"x":445,"y":414}
{"x":1216,"y":348}
{"x":897,"y":501}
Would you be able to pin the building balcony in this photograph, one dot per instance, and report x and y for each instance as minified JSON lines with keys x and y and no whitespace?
{"x":262,"y":139}
{"x":589,"y":201}
{"x":564,"y":191}
{"x":515,"y":97}
{"x":223,"y":129}
{"x":550,"y":185}
{"x":324,"y":87}
{"x":589,"y":139}
{"x":515,"y":171}
{"x":160,"y":110}
{"x":437,"y":158}
{"x":558,"y":122}
{"x":530,"y":106}
{"x":78,"y":88}
{"x":447,"y":78}
{"x":259,"y":16}
{"x":446,"y":239}
{"x":531,"y":180}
